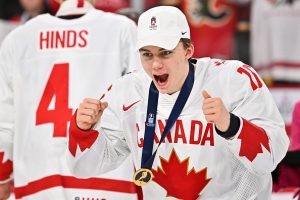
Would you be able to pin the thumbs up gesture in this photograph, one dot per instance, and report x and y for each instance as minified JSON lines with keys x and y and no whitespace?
{"x":215,"y":111}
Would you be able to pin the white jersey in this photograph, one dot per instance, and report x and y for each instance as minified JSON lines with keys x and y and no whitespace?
{"x":275,"y":39}
{"x":193,"y":162}
{"x":47,"y":66}
{"x":6,"y":27}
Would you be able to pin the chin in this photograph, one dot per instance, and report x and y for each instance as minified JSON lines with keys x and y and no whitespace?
{"x":163,"y":90}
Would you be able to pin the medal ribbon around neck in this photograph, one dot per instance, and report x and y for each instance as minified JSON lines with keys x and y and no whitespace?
{"x":144,"y":175}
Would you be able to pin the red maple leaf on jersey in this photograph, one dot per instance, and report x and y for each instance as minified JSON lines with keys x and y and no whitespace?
{"x":180,"y":183}
{"x":79,"y":137}
{"x":5,"y":168}
{"x":252,"y":139}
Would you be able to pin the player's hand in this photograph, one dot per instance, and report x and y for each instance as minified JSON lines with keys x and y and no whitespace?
{"x":89,"y":113}
{"x":215,"y":111}
{"x":4,"y":191}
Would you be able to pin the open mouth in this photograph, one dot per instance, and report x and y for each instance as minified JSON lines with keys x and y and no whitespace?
{"x":161,"y":79}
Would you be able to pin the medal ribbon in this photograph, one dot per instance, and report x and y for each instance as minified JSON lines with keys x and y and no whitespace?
{"x":147,"y":156}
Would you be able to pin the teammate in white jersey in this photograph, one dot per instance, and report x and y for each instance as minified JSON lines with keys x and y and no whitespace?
{"x":274,"y":39}
{"x":224,"y":144}
{"x":44,"y":67}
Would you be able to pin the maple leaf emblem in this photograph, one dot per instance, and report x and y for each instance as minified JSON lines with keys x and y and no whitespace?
{"x":5,"y":168}
{"x":180,"y":183}
{"x":252,"y":139}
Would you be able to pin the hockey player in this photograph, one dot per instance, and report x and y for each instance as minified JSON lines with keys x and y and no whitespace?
{"x":196,"y":128}
{"x":44,"y":65}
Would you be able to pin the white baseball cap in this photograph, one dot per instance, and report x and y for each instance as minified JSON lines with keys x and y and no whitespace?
{"x":162,"y":26}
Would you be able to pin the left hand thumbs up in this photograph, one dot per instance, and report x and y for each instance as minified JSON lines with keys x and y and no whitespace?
{"x":205,"y":94}
{"x":215,"y":111}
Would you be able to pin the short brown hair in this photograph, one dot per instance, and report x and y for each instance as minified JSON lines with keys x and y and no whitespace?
{"x":185,"y":42}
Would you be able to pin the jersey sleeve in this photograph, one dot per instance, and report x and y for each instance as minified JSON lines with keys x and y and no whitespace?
{"x":261,"y":142}
{"x":6,"y":111}
{"x":102,"y":149}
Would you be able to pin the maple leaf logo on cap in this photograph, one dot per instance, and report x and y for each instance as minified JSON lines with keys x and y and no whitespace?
{"x":180,"y":183}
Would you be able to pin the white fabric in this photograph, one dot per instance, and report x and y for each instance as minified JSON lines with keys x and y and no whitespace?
{"x":162,"y":26}
{"x":70,"y":7}
{"x":195,"y":142}
{"x":81,"y":60}
{"x":5,"y":28}
{"x":274,"y":40}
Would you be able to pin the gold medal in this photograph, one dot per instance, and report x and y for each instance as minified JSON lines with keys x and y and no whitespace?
{"x":142,"y":177}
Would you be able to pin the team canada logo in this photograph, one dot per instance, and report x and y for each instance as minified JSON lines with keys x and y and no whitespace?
{"x":153,"y":25}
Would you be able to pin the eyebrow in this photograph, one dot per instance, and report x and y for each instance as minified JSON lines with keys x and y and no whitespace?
{"x":142,"y":49}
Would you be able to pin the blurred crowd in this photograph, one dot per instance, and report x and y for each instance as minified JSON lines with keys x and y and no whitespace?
{"x":245,"y":30}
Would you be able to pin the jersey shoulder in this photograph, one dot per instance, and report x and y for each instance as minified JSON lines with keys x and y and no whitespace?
{"x":224,"y":68}
{"x":230,"y":75}
{"x":133,"y":83}
{"x":135,"y":79}
{"x":214,"y":67}
{"x":26,"y":30}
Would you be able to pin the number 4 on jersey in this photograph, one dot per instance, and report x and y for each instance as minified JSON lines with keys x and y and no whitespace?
{"x":57,"y":87}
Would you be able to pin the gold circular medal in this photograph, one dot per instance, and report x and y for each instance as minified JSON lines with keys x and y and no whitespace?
{"x":142,"y":176}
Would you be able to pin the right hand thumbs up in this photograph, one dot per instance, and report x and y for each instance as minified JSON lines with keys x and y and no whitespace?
{"x":89,"y":113}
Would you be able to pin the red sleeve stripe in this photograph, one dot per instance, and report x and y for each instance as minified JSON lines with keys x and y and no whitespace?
{"x":6,"y":168}
{"x":77,"y":137}
{"x":74,"y":183}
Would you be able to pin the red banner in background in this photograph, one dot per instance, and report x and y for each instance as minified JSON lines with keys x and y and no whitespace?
{"x":212,"y":24}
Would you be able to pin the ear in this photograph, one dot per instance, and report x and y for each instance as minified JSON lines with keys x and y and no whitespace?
{"x":59,"y":1}
{"x":189,"y":52}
